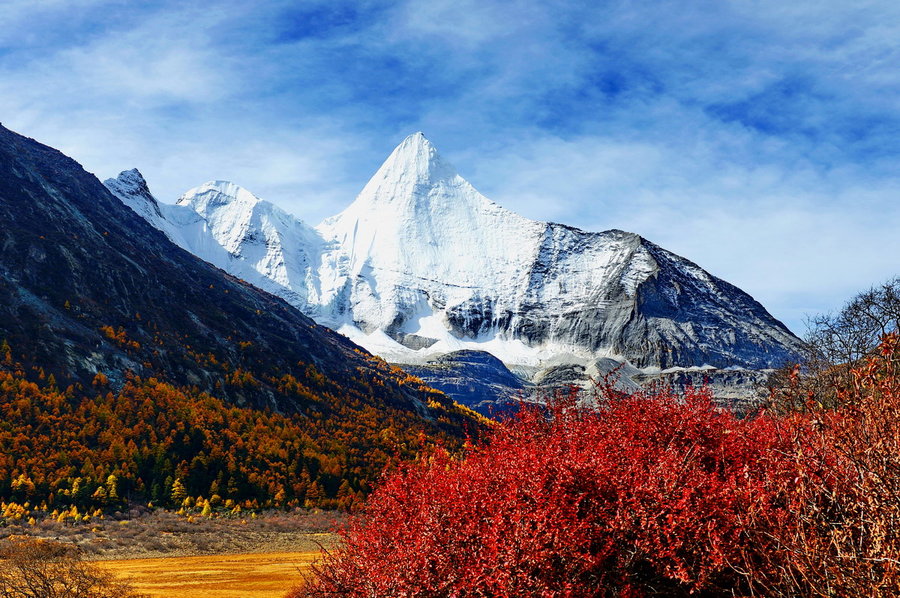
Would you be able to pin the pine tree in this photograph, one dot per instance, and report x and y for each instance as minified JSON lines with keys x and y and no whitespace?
{"x":178,"y":492}
{"x":314,"y":495}
{"x":112,"y":484}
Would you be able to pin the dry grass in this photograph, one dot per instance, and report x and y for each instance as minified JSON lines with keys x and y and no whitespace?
{"x":168,"y":556}
{"x":264,"y":575}
{"x":144,"y":533}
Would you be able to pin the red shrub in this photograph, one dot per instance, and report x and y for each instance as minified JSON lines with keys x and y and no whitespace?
{"x":648,"y":495}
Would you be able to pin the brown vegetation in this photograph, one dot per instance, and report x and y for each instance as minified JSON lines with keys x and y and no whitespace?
{"x":845,"y":500}
{"x":45,"y":569}
{"x":139,"y":532}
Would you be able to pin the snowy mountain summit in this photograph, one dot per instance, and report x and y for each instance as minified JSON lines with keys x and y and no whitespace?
{"x":422,"y":264}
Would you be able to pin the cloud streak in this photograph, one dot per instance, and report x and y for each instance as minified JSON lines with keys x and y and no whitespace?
{"x":759,"y":139}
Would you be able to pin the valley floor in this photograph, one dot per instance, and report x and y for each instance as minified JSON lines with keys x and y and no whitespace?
{"x":259,"y":575}
{"x":166,"y":555}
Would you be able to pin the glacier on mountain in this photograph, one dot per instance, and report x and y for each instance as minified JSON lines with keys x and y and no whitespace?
{"x":421,"y":264}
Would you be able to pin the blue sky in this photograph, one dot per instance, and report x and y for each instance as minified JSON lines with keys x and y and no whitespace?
{"x":759,"y":139}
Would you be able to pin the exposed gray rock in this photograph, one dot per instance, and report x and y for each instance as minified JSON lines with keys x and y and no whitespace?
{"x":475,"y":379}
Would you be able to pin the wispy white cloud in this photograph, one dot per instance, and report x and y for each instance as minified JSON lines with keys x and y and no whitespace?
{"x":759,"y":139}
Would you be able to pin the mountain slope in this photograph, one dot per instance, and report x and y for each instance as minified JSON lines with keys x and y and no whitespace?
{"x":422,"y":264}
{"x":87,"y":285}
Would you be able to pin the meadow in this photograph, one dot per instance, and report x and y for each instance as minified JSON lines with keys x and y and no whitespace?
{"x":262,"y":575}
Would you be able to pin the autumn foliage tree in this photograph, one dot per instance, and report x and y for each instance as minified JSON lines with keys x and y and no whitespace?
{"x":645,"y":496}
{"x":835,"y":343}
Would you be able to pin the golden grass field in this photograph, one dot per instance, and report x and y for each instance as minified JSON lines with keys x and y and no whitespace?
{"x":266,"y":575}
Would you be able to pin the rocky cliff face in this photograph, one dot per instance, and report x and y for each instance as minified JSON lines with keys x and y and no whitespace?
{"x":421,"y":264}
{"x":477,"y":380}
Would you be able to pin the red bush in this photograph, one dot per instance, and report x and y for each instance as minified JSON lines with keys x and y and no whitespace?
{"x":649,"y":495}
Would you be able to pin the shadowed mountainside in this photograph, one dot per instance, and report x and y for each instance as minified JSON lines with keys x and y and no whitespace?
{"x":86,"y":285}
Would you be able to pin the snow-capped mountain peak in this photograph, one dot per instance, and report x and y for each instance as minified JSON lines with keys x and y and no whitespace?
{"x":131,"y":188}
{"x":417,"y":222}
{"x":415,"y":178}
{"x":421,"y":263}
{"x":414,"y":161}
{"x":252,"y":238}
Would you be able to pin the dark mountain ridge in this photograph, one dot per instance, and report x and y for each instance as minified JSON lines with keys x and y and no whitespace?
{"x":87,"y":286}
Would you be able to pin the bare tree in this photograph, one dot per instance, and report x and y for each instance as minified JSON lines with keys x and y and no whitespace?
{"x":854,"y":332}
{"x":45,"y":569}
{"x":835,"y":343}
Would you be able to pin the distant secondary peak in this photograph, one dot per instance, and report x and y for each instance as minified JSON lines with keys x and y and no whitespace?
{"x":132,"y":189}
{"x":133,"y":175}
{"x":213,"y":194}
{"x":131,"y":181}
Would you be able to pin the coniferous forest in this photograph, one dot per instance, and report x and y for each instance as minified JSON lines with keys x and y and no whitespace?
{"x":149,"y":441}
